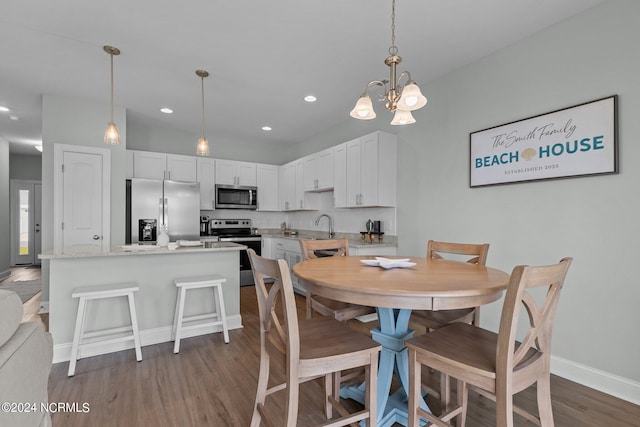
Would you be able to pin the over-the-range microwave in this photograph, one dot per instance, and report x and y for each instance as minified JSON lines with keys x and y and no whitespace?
{"x":236,"y":197}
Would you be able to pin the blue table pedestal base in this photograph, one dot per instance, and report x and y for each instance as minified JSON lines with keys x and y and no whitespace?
{"x":393,"y":331}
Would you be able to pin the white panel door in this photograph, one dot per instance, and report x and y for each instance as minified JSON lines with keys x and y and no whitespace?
{"x":340,"y":176}
{"x":354,"y":159}
{"x":82,"y":208}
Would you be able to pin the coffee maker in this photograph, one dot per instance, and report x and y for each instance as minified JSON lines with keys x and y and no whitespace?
{"x":205,"y":225}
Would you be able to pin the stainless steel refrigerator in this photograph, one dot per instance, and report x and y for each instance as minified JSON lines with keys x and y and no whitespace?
{"x":152,"y":203}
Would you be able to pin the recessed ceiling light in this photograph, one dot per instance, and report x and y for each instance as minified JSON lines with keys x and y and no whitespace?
{"x":166,"y":110}
{"x":310,"y":98}
{"x":14,"y":117}
{"x":267,"y":128}
{"x":4,"y":109}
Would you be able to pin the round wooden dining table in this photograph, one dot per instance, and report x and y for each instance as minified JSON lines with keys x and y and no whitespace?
{"x":395,"y":292}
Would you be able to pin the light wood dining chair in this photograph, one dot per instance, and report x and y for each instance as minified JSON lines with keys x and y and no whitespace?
{"x":433,"y":320}
{"x":495,"y":365}
{"x":341,"y":311}
{"x":310,"y":348}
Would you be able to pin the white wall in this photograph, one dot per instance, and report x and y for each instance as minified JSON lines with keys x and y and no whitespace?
{"x":24,"y":166}
{"x":166,"y":140}
{"x":5,"y":212}
{"x":593,"y":219}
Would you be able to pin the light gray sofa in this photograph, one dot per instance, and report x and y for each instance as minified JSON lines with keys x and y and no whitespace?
{"x":26,"y":352}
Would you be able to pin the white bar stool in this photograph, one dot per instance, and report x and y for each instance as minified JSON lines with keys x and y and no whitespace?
{"x":87,"y":293}
{"x":186,"y":283}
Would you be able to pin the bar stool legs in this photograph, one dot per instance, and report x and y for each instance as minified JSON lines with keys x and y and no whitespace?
{"x":220,"y":318}
{"x":131,"y":332}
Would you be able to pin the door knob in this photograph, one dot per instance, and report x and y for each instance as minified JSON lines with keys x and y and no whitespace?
{"x":96,"y":237}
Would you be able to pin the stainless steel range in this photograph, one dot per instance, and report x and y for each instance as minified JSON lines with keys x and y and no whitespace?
{"x":238,"y":231}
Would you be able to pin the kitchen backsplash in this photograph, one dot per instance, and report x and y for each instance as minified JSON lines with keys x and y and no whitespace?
{"x":352,"y":220}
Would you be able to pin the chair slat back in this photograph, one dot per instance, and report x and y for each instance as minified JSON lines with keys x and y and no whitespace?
{"x":541,"y":316}
{"x":478,"y":252}
{"x":308,"y":247}
{"x":276,"y":333}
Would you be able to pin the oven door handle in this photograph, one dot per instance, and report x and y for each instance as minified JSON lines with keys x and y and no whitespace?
{"x":240,"y":239}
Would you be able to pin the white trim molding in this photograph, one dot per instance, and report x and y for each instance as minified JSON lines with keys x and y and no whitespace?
{"x":620,"y":387}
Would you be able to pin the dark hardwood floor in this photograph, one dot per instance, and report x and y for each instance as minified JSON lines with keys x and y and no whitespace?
{"x":213,"y":384}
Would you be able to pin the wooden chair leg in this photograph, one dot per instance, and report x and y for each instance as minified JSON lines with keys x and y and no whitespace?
{"x":504,"y":406}
{"x":445,"y":393}
{"x":328,"y":392}
{"x":371,"y":374}
{"x":463,"y":402}
{"x":544,"y":401}
{"x":261,"y":392}
{"x":415,"y":375}
{"x":308,"y":304}
{"x":291,"y":409}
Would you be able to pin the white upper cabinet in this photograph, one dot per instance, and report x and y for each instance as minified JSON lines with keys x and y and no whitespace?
{"x":292,"y":197}
{"x":318,"y":171}
{"x":340,"y":176}
{"x":267,"y":176}
{"x":150,"y":165}
{"x":370,"y":171}
{"x":231,"y":172}
{"x":205,"y":168}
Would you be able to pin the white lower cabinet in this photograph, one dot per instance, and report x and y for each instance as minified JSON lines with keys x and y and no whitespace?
{"x":289,"y":250}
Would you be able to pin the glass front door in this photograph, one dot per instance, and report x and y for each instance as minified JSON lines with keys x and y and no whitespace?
{"x":25,"y":222}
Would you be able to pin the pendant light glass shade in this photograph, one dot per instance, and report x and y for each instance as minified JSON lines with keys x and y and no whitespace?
{"x":202,"y":149}
{"x":402,"y":117}
{"x":363,"y":109}
{"x":411,"y":99}
{"x":111,"y":134}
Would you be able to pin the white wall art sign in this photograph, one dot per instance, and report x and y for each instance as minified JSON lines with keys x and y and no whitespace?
{"x":575,"y":141}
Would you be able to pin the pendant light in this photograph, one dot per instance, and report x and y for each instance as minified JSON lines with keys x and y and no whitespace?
{"x":202,"y":149}
{"x":111,"y":135}
{"x":399,"y":99}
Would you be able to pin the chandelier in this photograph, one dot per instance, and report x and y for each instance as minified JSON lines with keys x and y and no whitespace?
{"x":111,"y":134}
{"x":399,"y":99}
{"x":202,"y":149}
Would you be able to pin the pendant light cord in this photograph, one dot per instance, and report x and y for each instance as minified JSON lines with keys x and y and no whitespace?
{"x":202,"y":80}
{"x":393,"y":50}
{"x":111,"y":55}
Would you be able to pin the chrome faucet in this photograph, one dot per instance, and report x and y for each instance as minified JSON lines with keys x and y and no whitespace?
{"x":331,"y":233}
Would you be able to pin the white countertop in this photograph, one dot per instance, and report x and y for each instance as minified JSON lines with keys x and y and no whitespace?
{"x":128,"y":250}
{"x":355,"y":240}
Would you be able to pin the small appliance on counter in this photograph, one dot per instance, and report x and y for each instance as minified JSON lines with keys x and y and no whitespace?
{"x":147,"y":231}
{"x":205,"y":225}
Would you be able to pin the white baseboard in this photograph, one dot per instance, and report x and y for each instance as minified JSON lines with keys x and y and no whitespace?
{"x":620,"y":387}
{"x":5,"y":274}
{"x":62,"y":352}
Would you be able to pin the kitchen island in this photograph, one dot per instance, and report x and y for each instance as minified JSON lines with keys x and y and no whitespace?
{"x":154,"y":270}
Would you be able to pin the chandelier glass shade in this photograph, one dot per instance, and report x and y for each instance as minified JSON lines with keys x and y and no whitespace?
{"x":202,"y":149}
{"x":111,"y":134}
{"x":399,"y":99}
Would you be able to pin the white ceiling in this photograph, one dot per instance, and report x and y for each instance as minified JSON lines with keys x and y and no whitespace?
{"x":263,"y":56}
